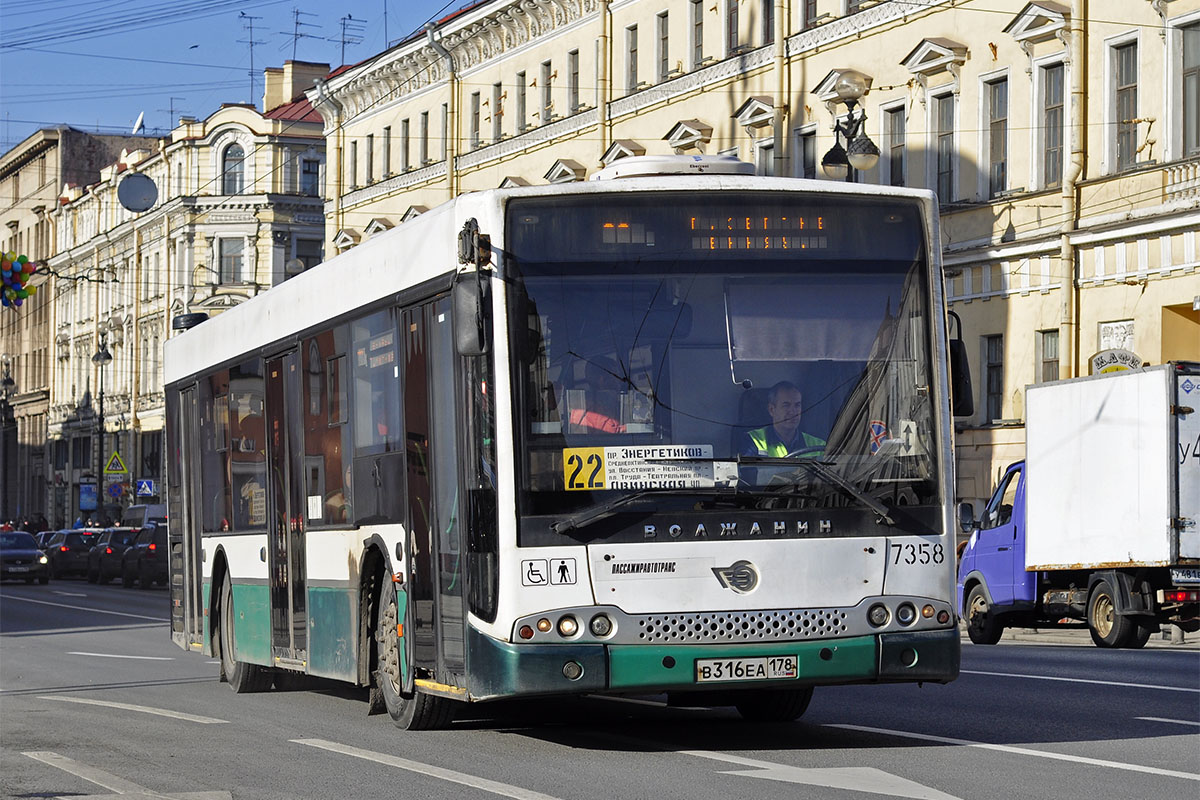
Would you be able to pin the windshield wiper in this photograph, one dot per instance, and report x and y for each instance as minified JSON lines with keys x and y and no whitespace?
{"x":821,"y":469}
{"x":607,"y":509}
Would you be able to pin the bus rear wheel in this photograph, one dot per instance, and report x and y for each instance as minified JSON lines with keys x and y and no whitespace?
{"x":410,"y":708}
{"x":774,"y":705}
{"x":242,"y":677}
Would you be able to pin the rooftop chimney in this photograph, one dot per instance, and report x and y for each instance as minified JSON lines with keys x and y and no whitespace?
{"x":284,"y":84}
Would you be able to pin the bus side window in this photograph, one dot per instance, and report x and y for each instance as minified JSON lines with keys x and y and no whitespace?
{"x":375,"y":405}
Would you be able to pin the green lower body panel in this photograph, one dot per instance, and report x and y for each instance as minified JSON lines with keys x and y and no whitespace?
{"x":666,"y":667}
{"x":333,"y":633}
{"x":252,"y":623}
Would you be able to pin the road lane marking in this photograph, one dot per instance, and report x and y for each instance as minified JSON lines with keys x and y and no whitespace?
{"x":162,"y":712}
{"x":1021,"y":751}
{"x":1172,"y":721}
{"x":82,"y":608}
{"x":71,"y":594}
{"x":502,"y":789}
{"x":111,"y":655}
{"x":89,"y":774}
{"x":859,"y":779}
{"x":1081,"y":680}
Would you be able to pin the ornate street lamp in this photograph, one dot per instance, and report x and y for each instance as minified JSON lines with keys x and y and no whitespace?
{"x":101,"y":358}
{"x":8,"y":481}
{"x":860,"y":152}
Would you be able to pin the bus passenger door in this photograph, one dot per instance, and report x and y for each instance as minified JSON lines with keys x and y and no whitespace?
{"x":285,"y":534}
{"x":183,"y":543}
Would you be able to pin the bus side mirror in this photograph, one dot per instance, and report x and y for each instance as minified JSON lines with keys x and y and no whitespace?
{"x":470,"y":315}
{"x":962,"y":398}
{"x":966,"y":517}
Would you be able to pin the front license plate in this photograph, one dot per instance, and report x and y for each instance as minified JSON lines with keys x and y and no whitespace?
{"x":18,"y":569}
{"x":766,"y":668}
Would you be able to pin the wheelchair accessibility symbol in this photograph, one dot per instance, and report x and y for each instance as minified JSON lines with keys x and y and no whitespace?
{"x":534,"y":572}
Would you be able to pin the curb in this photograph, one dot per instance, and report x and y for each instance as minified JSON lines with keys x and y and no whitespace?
{"x":1081,"y":638}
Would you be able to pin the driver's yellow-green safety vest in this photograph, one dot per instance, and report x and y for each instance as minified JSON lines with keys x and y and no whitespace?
{"x":758,"y":437}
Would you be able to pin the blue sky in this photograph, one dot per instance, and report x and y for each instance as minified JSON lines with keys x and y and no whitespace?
{"x":97,"y":65}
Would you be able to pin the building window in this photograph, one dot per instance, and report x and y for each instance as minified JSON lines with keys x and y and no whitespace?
{"x":854,"y":6}
{"x":764,"y":158}
{"x":1052,"y":125}
{"x":1125,"y":63}
{"x":731,"y":27}
{"x":445,"y":128}
{"x":573,"y":81}
{"x":895,"y":131}
{"x":664,"y":49}
{"x":81,"y":452}
{"x":1047,"y":342}
{"x":547,"y":91}
{"x":233,"y":165}
{"x":387,"y":151}
{"x":497,"y":114}
{"x":945,"y":148}
{"x":405,"y":164}
{"x":1191,"y":89}
{"x":997,"y":94}
{"x":230,"y":254}
{"x":371,"y":157}
{"x":768,"y":21}
{"x":522,"y":120}
{"x":631,"y":58}
{"x":308,"y":252}
{"x":807,"y":146}
{"x":353,"y":165}
{"x":810,"y":13}
{"x":697,"y":33}
{"x":994,"y":376}
{"x":310,"y":177}
{"x":423,"y":141}
{"x":474,"y":140}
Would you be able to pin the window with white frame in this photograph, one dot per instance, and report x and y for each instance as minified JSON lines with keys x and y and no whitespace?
{"x":806,"y":151}
{"x":1047,"y":356}
{"x":1189,"y":76}
{"x":370,"y":161}
{"x":230,"y":255}
{"x":310,"y":177}
{"x":1125,"y":91}
{"x":1053,"y":119}
{"x":764,"y":157}
{"x":445,"y":128}
{"x":386,"y":151}
{"x":631,"y":58}
{"x":497,"y":114}
{"x":233,"y":167}
{"x":996,"y":93}
{"x":768,"y":21}
{"x":732,"y":42}
{"x":352,"y":166}
{"x":572,"y":81}
{"x":993,"y":352}
{"x":697,"y":26}
{"x":944,"y":182}
{"x":664,"y":46}
{"x":522,"y":120}
{"x":473,"y":142}
{"x":548,"y":75}
{"x":423,"y":139}
{"x":405,"y":164}
{"x":896,"y":125}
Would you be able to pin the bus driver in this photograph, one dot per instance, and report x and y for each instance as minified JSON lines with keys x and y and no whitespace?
{"x":783,"y":435}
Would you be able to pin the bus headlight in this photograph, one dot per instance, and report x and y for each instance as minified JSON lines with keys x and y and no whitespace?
{"x":567,"y":626}
{"x":601,"y":625}
{"x":906,"y":614}
{"x":878,"y":615}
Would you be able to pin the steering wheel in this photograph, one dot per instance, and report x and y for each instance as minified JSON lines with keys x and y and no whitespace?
{"x":803,"y":451}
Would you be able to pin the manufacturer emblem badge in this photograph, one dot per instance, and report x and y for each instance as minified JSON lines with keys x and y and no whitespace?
{"x":740,"y":576}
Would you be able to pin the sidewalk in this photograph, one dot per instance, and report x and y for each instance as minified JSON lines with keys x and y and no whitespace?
{"x":1079,"y":637}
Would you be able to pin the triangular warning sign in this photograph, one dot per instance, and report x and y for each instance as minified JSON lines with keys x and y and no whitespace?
{"x":115,"y":465}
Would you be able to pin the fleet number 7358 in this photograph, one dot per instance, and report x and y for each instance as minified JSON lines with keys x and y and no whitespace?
{"x":918,"y":553}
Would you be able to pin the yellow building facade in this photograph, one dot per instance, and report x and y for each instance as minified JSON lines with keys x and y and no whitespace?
{"x":233,"y":207}
{"x":1062,"y":138}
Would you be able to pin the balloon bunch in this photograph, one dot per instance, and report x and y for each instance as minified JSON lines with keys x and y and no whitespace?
{"x":16,"y":271}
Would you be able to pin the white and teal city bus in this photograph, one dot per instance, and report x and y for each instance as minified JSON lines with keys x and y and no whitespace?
{"x":508,"y":449}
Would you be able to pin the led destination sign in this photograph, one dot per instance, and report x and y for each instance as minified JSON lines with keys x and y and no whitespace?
{"x":776,"y":232}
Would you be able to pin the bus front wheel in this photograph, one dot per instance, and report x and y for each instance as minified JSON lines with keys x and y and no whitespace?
{"x":774,"y":705}
{"x":410,"y":708}
{"x":242,"y":677}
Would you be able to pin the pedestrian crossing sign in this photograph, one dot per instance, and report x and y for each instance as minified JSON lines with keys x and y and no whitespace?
{"x":115,"y":465}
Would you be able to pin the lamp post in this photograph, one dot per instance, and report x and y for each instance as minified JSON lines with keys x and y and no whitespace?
{"x":860,"y":152}
{"x":101,"y":358}
{"x":8,"y":483}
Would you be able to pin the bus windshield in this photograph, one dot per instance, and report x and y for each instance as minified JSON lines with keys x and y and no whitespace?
{"x":740,"y":350}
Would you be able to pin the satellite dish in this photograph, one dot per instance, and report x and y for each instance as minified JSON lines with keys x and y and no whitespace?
{"x":137,"y":192}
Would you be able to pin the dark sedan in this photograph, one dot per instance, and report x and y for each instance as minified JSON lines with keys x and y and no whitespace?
{"x":146,"y":560}
{"x":104,"y":559}
{"x":20,"y":558}
{"x":68,"y":552}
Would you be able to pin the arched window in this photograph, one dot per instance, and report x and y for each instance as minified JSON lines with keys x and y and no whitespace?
{"x":232,"y":169}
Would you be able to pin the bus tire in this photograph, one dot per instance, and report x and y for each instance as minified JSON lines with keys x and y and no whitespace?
{"x":774,"y":705}
{"x":242,"y":677}
{"x":1108,"y":628}
{"x":409,"y":707}
{"x":983,"y":626}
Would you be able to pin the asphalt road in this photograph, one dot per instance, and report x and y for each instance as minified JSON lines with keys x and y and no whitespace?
{"x":96,"y":701}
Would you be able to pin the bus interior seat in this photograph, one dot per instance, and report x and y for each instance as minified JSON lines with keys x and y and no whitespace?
{"x":752,"y":413}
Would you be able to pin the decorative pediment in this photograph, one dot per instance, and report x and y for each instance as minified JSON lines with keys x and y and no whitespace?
{"x":513,"y":181}
{"x":932,"y":56}
{"x":566,"y":171}
{"x":345,"y":239}
{"x":377,"y":225}
{"x":688,"y":134}
{"x":622,"y":148}
{"x":755,"y":112}
{"x":1038,"y":22}
{"x":413,"y":212}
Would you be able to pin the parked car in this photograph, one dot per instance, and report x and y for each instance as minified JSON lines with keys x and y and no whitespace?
{"x":43,"y":539}
{"x":68,"y":551}
{"x":137,"y":516}
{"x":21,"y":559}
{"x":146,"y":561}
{"x":104,"y":559}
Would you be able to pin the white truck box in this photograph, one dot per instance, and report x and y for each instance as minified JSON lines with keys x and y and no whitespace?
{"x":1112,"y":470}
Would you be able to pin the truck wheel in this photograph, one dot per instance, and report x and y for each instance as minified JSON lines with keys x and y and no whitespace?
{"x":1140,"y":637}
{"x":1108,"y":628}
{"x":983,"y":627}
